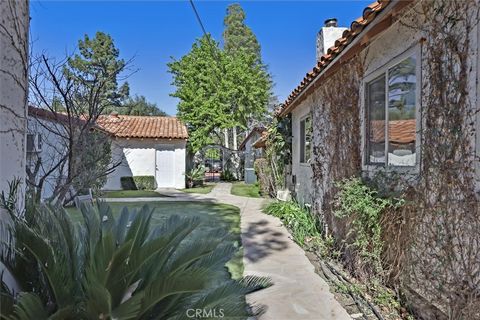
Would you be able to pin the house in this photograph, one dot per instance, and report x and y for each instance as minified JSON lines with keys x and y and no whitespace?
{"x":45,"y":147}
{"x":250,"y":153}
{"x":395,"y":99}
{"x":147,"y":146}
{"x":141,"y":146}
{"x":301,"y":123}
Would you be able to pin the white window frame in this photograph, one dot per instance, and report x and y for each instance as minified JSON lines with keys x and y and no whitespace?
{"x":383,"y":70}
{"x":304,"y":142}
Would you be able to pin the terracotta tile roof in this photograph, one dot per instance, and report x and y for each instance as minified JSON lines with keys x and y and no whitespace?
{"x":369,"y":14}
{"x":399,"y":131}
{"x":123,"y":126}
{"x":250,"y":134}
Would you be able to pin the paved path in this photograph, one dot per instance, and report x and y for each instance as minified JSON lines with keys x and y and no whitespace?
{"x":298,"y":293}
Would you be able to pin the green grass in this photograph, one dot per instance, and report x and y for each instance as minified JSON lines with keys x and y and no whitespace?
{"x":131,"y":194}
{"x":212,"y":216}
{"x":203,"y":189}
{"x":245,"y":190}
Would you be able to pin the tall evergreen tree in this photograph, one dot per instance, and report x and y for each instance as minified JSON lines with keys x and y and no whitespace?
{"x":237,"y":36}
{"x":250,"y":82}
{"x":97,"y":60}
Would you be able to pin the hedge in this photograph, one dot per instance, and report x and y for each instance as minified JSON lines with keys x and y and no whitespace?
{"x":138,"y":183}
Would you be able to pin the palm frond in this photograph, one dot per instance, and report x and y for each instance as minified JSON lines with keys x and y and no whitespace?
{"x":29,"y":306}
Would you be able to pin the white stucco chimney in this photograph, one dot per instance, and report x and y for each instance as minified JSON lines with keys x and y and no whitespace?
{"x":327,"y":35}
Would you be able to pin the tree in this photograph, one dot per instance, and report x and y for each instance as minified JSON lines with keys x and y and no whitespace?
{"x":221,"y":89}
{"x":237,"y":36}
{"x":200,"y":85}
{"x":250,"y":84}
{"x":75,"y":91}
{"x":97,"y":61}
{"x":139,"y":106}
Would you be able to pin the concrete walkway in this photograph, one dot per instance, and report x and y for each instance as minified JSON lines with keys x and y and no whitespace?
{"x":298,"y":293}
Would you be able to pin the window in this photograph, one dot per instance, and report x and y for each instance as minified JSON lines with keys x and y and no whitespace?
{"x":391,"y":115}
{"x":305,"y":140}
{"x":34,"y":143}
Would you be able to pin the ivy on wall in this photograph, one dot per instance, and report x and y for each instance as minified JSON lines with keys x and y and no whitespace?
{"x":336,"y":139}
{"x":431,"y":244}
{"x":441,"y":256}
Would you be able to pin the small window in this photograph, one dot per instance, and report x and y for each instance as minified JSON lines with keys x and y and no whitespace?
{"x":391,"y":116}
{"x":305,"y":140}
{"x":30,"y":142}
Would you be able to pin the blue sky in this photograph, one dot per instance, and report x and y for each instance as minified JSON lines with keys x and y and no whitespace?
{"x":154,"y":31}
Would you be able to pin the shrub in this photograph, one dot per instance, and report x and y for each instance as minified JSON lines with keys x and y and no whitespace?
{"x":298,"y":219}
{"x":264,"y":175}
{"x":138,"y":183}
{"x":195,"y":176}
{"x":227,"y":175}
{"x":363,"y":205}
{"x":127,"y":183}
{"x":144,"y":182}
{"x":108,"y":268}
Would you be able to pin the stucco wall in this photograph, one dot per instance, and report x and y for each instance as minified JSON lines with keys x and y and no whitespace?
{"x":14,"y":18}
{"x":138,"y":158}
{"x":53,"y":149}
{"x":339,"y":146}
{"x":301,"y":171}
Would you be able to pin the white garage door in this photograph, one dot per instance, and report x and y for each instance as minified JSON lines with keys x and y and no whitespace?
{"x":165,"y":166}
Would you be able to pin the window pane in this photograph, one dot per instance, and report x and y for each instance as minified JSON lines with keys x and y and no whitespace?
{"x":308,"y":139}
{"x":376,"y":120}
{"x":401,"y":113}
{"x":302,"y":141}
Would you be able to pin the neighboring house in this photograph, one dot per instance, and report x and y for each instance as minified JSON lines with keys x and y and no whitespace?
{"x":250,"y":153}
{"x":395,"y":99}
{"x":147,"y":146}
{"x":45,"y":146}
{"x":14,"y":26}
{"x":141,"y":146}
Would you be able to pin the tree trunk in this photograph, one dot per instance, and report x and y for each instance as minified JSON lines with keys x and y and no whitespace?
{"x":234,"y":138}
{"x":236,"y":160}
{"x":225,"y":133}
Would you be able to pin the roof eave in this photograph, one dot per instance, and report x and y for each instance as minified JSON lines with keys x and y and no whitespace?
{"x":385,"y":13}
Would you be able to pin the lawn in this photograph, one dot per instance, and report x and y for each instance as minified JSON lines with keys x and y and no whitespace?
{"x":212,"y":215}
{"x":201,"y":189}
{"x":131,"y":194}
{"x":245,"y":190}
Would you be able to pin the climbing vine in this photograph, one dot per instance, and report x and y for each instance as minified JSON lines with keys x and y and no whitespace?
{"x":336,"y":141}
{"x":441,"y":256}
{"x":428,"y":248}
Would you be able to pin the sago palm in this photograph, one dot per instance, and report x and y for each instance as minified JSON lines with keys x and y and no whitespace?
{"x":107,"y":268}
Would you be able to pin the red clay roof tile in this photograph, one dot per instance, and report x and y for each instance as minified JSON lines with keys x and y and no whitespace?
{"x":368,"y":15}
{"x":124,"y":126}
